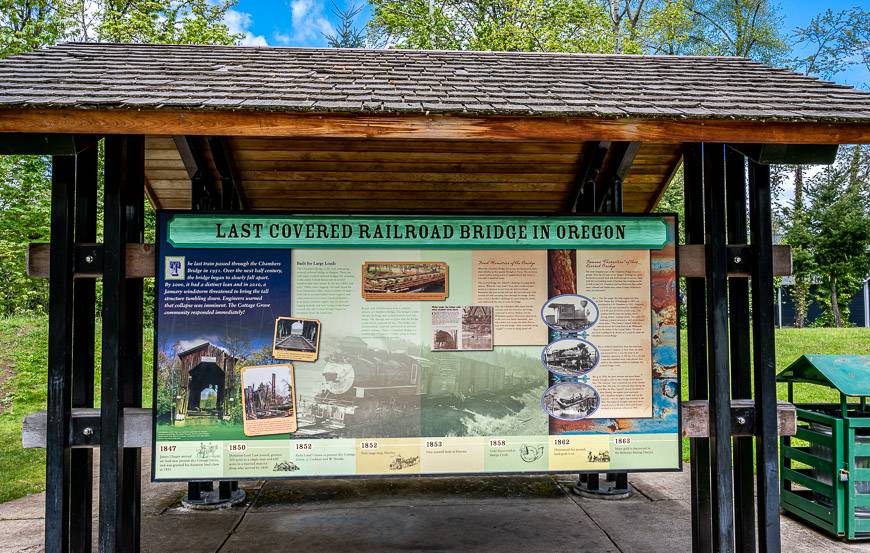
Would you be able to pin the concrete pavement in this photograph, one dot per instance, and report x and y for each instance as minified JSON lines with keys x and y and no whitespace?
{"x":523,"y":514}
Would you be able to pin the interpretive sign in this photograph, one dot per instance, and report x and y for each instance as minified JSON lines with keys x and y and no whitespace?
{"x":292,"y":346}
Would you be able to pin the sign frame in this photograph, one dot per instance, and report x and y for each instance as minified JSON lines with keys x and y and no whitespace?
{"x":158,"y":260}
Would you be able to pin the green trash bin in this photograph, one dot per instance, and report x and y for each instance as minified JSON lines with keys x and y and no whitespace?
{"x":825,"y":467}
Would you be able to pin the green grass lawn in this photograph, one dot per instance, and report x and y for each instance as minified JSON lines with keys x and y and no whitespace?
{"x":23,"y":385}
{"x":23,"y":361}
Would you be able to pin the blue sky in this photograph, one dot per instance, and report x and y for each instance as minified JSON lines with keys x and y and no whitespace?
{"x":304,"y":22}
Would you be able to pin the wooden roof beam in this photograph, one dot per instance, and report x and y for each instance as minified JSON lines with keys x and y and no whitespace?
{"x":232,"y":193}
{"x":204,"y":193}
{"x":788,"y":154}
{"x":582,"y":195}
{"x":619,"y":159}
{"x":45,"y":144}
{"x":431,"y":127}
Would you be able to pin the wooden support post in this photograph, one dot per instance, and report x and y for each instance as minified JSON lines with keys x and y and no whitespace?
{"x":702,"y":541}
{"x":764,"y":361}
{"x":60,"y":335}
{"x":119,"y":499}
{"x":741,"y":373}
{"x":717,"y":349}
{"x":133,"y":199}
{"x":84,"y":301}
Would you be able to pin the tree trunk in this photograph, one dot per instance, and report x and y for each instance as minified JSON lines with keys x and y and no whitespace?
{"x":801,"y":288}
{"x":835,"y":305}
{"x":800,"y":295}
{"x":798,"y":189}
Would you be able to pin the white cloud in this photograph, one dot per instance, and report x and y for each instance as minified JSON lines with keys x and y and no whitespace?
{"x":309,"y":23}
{"x":239,"y":23}
{"x":786,"y":195}
{"x":281,"y":38}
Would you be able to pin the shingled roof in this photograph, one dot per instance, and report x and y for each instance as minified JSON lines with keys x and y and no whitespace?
{"x":173,"y":77}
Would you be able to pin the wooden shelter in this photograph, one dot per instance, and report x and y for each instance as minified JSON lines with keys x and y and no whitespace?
{"x":346,"y":131}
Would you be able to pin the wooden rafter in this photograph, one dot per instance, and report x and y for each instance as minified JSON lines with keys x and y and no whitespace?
{"x":232,"y":192}
{"x":203,"y":189}
{"x":619,"y":159}
{"x":582,"y":193}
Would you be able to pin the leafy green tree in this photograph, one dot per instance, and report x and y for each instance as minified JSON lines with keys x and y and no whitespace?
{"x":159,"y":21}
{"x":796,"y":233}
{"x":505,"y":25}
{"x":25,"y":203}
{"x":25,"y":181}
{"x":829,"y":44}
{"x":839,"y":222}
{"x":29,"y":24}
{"x":746,"y":28}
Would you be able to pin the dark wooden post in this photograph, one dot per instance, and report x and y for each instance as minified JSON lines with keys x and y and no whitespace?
{"x":81,"y":507}
{"x":60,"y":334}
{"x":741,"y":368}
{"x":767,"y":472}
{"x":133,"y":198}
{"x":717,"y":348}
{"x":699,"y":449}
{"x":122,"y":327}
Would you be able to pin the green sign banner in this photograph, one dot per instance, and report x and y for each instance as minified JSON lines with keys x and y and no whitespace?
{"x":267,"y":231}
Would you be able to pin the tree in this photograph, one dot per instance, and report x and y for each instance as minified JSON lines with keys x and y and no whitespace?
{"x":157,"y":21}
{"x":746,"y":28}
{"x":832,"y":42}
{"x":25,"y":204}
{"x":27,"y":25}
{"x":348,"y":34}
{"x":505,"y":25}
{"x":25,"y":182}
{"x":839,"y":222}
{"x":796,"y":233}
{"x":829,"y":44}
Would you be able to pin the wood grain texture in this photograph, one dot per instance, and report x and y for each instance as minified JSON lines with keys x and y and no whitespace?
{"x":396,"y":174}
{"x":696,"y":418}
{"x":137,"y":427}
{"x":339,"y":125}
{"x":140,"y":261}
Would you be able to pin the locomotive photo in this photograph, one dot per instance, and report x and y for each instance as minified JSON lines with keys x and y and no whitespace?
{"x":367,"y":391}
{"x":570,"y":313}
{"x":570,"y":357}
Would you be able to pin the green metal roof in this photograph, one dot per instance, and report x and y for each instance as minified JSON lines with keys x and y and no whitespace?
{"x":849,"y":374}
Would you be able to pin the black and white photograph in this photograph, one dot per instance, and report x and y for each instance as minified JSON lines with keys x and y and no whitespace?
{"x":465,"y":328}
{"x":570,"y":313}
{"x":268,"y":399}
{"x":477,"y":327}
{"x":296,"y":339}
{"x":570,"y":401}
{"x":570,"y":357}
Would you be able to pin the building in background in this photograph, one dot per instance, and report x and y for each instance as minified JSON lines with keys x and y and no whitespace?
{"x":859,"y":305}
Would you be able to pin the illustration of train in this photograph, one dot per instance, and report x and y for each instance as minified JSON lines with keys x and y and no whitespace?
{"x":373,"y":392}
